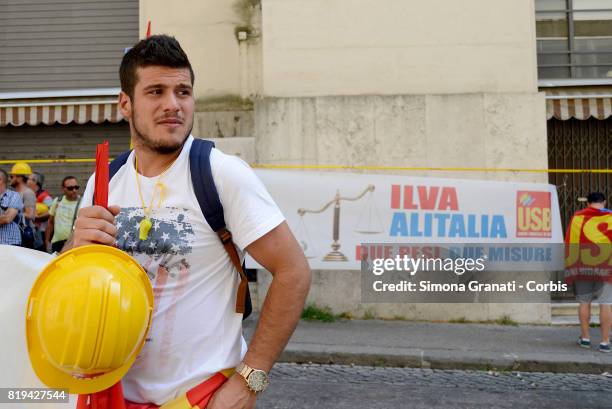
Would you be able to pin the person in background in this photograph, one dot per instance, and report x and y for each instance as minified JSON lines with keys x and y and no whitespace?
{"x":43,"y":203}
{"x":62,"y":214}
{"x":588,"y":289}
{"x":19,"y":179}
{"x":10,"y":207}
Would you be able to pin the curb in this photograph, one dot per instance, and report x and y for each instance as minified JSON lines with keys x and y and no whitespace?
{"x":440,"y":359}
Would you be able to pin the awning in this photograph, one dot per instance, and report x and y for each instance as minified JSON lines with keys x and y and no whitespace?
{"x":79,"y":106}
{"x":563,"y":105}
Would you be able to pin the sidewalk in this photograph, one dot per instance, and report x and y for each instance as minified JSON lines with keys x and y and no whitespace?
{"x":443,"y":346}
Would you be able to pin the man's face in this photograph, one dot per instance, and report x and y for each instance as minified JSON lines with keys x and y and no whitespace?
{"x":71,"y":189}
{"x":161,"y":110}
{"x":14,"y":180}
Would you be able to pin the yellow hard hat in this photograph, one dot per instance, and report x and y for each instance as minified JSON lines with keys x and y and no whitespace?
{"x":88,"y":315}
{"x":21,"y":168}
{"x":41,"y":208}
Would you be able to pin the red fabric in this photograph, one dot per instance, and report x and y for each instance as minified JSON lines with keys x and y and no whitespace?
{"x":112,"y":398}
{"x":101,"y":184}
{"x":201,"y":394}
{"x":42,"y":195}
{"x":578,"y":240}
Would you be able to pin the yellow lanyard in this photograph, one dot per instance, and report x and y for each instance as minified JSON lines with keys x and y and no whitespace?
{"x":145,"y":223}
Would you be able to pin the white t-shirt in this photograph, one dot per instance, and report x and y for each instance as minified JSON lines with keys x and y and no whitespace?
{"x":195,"y":331}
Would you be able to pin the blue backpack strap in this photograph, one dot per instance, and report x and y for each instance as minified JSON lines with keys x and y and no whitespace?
{"x":204,"y":185}
{"x":210,"y":204}
{"x":115,"y":165}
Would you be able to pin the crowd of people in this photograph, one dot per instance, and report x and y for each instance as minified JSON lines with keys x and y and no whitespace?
{"x":29,"y":216}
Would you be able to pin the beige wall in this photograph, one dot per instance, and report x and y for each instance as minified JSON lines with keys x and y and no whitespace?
{"x":206,"y":30}
{"x":494,"y":131}
{"x":381,"y":47}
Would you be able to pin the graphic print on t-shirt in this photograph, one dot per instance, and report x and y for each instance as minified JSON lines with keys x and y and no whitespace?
{"x":168,"y":242}
{"x":162,"y":255}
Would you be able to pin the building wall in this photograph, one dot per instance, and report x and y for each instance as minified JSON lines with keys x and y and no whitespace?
{"x":382,"y":47}
{"x":207,"y":31}
{"x":410,"y":84}
{"x":47,"y":45}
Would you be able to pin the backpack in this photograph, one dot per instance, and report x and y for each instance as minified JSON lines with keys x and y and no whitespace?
{"x":210,"y":205}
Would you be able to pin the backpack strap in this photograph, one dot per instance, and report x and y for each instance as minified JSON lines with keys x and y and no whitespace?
{"x":76,"y":210}
{"x":116,"y":164}
{"x":210,"y":204}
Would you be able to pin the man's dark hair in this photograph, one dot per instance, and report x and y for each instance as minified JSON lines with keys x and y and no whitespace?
{"x":596,"y":197}
{"x":158,"y":50}
{"x":4,"y":176}
{"x":67,"y":178}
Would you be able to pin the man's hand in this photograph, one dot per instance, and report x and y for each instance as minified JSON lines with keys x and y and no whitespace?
{"x":234,"y":394}
{"x":95,"y":225}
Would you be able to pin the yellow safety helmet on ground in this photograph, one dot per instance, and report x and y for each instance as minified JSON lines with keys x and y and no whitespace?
{"x":41,"y":208}
{"x":88,"y":315}
{"x":21,"y":168}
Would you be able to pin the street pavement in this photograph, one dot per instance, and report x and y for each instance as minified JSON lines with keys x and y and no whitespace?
{"x":443,"y":346}
{"x":295,"y":386}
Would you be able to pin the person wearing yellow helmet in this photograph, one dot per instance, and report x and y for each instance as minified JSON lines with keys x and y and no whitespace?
{"x":155,"y":217}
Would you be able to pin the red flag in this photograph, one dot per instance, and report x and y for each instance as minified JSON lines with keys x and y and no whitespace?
{"x":101,"y":185}
{"x":588,"y":246}
{"x":148,"y":29}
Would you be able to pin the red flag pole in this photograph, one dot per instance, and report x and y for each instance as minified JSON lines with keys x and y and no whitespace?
{"x":101,"y":181}
{"x":148,"y":29}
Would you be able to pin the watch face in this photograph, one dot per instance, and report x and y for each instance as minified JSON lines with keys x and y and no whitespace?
{"x":258,"y":380}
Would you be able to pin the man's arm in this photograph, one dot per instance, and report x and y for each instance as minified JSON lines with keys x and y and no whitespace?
{"x":8,"y":216}
{"x":279,"y":253}
{"x":29,"y":205}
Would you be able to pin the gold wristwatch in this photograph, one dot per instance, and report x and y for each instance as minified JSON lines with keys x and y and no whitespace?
{"x":256,"y":379}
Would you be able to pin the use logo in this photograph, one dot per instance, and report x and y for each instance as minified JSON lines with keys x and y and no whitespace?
{"x":533,"y":214}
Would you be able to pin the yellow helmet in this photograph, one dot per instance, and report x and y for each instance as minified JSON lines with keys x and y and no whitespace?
{"x":21,"y":168}
{"x":88,"y":315}
{"x":41,"y":208}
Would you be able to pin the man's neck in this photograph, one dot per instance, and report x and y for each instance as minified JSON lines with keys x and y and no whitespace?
{"x":151,"y":164}
{"x":20,"y":188}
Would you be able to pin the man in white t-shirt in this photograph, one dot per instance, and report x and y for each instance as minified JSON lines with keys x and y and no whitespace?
{"x":195,"y":332}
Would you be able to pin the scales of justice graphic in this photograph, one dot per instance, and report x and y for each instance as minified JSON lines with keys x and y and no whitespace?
{"x":369,"y":222}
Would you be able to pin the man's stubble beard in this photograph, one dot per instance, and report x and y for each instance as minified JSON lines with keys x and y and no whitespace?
{"x":158,"y":147}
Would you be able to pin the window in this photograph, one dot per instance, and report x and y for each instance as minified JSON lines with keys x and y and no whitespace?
{"x":574,"y":39}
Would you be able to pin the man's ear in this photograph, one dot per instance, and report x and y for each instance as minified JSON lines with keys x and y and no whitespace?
{"x":125,"y":105}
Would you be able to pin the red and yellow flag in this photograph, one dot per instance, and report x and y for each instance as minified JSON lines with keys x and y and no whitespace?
{"x":588,"y":242}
